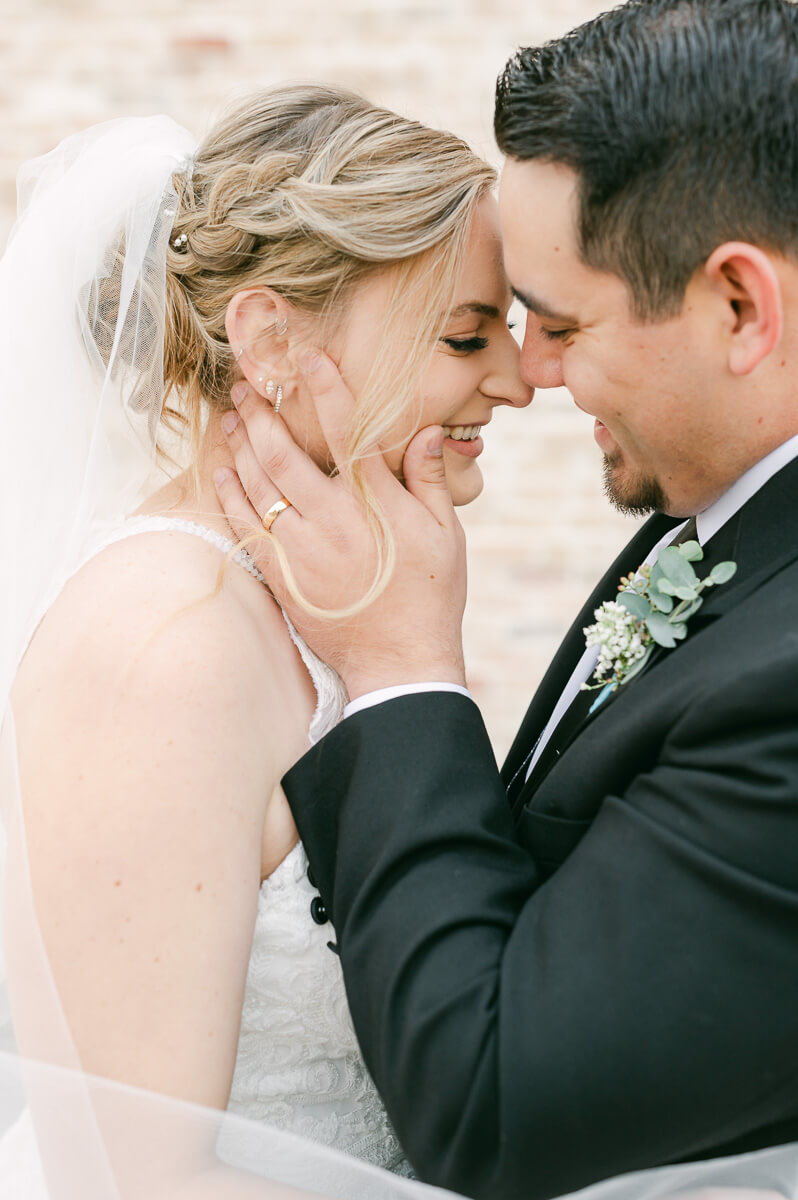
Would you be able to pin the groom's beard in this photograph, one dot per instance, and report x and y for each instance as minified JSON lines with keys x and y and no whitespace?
{"x":634,"y":495}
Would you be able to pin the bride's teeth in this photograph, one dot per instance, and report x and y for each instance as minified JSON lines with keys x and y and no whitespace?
{"x":461,"y":433}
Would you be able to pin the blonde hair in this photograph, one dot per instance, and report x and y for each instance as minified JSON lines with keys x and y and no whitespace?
{"x":309,"y":190}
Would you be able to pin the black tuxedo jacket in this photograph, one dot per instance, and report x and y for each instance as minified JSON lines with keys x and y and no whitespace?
{"x":605,"y":978}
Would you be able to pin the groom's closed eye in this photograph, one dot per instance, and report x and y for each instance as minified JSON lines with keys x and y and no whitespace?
{"x":556,"y":335}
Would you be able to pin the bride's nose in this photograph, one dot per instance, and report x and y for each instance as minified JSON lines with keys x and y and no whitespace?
{"x":504,"y":384}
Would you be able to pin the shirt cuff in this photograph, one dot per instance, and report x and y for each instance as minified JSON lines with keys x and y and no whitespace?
{"x":407,"y":689}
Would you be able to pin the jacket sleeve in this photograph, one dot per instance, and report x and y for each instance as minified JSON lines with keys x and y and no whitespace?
{"x":638,"y":1007}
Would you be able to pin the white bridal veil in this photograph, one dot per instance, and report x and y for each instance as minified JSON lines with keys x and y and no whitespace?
{"x":82,"y":295}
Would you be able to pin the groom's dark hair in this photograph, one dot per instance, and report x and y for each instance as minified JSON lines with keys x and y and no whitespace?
{"x":680,"y":118}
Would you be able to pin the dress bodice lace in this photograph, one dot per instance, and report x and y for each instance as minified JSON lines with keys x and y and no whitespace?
{"x":298,"y":1065}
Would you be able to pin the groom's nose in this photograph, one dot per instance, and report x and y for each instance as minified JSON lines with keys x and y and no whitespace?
{"x":541,"y":359}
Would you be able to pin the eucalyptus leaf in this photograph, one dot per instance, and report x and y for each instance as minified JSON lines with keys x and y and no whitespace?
{"x":661,"y":602}
{"x":638,"y":606}
{"x":685,"y":593}
{"x":679,"y":631}
{"x":691,"y":610}
{"x":661,"y":630}
{"x":656,"y":575}
{"x":723,"y":572}
{"x":676,"y":568}
{"x":659,"y":588}
{"x":691,"y":551}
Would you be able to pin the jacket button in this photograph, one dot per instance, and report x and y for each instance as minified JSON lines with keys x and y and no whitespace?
{"x":318,"y":911}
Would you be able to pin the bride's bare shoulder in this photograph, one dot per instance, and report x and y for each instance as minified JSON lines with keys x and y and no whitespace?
{"x":138,"y":580}
{"x":148,"y":608}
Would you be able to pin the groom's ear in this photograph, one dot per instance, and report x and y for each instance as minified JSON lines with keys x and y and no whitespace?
{"x":747,"y":283}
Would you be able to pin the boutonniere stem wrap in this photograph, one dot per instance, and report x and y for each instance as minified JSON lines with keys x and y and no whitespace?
{"x":652,"y":609}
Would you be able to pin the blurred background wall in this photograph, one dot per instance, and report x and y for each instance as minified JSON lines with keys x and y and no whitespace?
{"x":542,"y":532}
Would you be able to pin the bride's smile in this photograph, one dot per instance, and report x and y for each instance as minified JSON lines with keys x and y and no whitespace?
{"x":473,"y":367}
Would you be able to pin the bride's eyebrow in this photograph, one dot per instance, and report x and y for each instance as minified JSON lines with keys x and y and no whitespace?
{"x":475,"y":306}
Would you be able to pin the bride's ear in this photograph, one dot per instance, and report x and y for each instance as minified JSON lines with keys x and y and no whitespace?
{"x":257,"y":322}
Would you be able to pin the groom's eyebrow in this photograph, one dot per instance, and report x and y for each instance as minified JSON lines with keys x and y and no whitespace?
{"x":533,"y":304}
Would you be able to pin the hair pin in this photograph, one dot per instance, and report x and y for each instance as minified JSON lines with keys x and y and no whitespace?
{"x":180,"y":241}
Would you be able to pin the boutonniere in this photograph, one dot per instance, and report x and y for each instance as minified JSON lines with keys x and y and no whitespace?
{"x":652,"y":609}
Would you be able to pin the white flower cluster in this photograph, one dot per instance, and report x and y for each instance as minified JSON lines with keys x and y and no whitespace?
{"x":621,"y":639}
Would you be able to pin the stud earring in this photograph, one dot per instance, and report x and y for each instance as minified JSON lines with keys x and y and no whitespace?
{"x":271,"y":389}
{"x":280,"y":325}
{"x":279,"y":399}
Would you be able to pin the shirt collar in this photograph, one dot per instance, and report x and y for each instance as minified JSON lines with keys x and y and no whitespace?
{"x":711,"y":519}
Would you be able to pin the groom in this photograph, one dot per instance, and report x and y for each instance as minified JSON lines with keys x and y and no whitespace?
{"x":588,"y":963}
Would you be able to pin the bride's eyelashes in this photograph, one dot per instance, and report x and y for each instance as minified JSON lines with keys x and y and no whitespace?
{"x":470,"y":344}
{"x":466,"y":345}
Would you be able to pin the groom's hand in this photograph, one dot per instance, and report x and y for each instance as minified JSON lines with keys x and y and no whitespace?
{"x":411,"y":633}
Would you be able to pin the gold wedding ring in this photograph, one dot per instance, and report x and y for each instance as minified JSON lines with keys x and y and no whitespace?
{"x":271,"y":516}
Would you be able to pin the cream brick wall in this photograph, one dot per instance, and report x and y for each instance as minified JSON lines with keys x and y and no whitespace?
{"x":542,"y":531}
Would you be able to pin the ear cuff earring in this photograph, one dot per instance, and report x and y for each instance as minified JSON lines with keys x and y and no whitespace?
{"x":273,"y":391}
{"x":280,"y":327}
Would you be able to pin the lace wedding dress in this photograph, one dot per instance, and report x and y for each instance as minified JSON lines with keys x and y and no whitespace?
{"x":298,"y":1065}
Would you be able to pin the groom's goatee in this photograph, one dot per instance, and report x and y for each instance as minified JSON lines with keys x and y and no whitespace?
{"x":635,"y":496}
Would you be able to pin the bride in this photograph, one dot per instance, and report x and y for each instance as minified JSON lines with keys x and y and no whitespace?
{"x":159,"y":694}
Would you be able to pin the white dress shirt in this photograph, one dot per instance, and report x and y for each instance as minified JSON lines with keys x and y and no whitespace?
{"x":708,"y":523}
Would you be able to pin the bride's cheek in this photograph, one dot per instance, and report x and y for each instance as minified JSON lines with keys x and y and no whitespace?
{"x":394,"y":459}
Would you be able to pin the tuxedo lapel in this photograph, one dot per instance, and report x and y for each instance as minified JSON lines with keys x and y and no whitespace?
{"x":573,"y":645}
{"x":762,"y":538}
{"x":718,"y":550}
{"x":721,"y":547}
